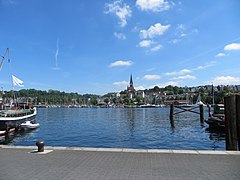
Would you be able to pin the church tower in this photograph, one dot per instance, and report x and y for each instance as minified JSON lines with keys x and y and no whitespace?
{"x":130,"y":88}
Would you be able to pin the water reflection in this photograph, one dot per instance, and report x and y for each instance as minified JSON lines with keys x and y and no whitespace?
{"x":216,"y":136}
{"x":131,"y":120}
{"x":9,"y":138}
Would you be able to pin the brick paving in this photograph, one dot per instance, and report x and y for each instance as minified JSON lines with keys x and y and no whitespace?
{"x":70,"y":164}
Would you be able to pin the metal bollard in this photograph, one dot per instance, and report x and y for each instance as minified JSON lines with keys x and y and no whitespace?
{"x":40,"y":145}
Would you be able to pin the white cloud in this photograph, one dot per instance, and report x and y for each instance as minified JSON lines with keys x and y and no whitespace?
{"x":151,"y":77}
{"x":181,"y":32}
{"x":172,"y":83}
{"x":184,"y":77}
{"x":145,"y":43}
{"x":187,"y":71}
{"x":156,"y":48}
{"x":121,"y":63}
{"x":153,"y":5}
{"x":155,"y":30}
{"x":210,"y":64}
{"x":183,"y":35}
{"x":139,"y":87}
{"x":183,"y":71}
{"x":226,"y":80}
{"x":233,"y":46}
{"x":220,"y":55}
{"x":120,"y":36}
{"x":121,"y":10}
{"x":120,"y":83}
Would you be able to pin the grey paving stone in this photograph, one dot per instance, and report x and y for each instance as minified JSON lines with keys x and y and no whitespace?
{"x":19,"y":164}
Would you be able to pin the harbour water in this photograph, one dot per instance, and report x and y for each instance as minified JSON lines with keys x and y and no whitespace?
{"x":147,"y":128}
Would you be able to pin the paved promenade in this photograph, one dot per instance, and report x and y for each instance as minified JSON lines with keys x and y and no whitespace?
{"x":23,"y":163}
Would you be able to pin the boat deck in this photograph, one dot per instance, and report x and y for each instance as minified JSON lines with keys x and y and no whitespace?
{"x":23,"y":163}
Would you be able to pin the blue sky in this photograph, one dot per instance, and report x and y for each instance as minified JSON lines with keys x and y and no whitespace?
{"x":94,"y":46}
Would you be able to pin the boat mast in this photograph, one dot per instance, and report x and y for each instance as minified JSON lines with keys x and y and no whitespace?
{"x":212,"y":94}
{"x":4,"y":57}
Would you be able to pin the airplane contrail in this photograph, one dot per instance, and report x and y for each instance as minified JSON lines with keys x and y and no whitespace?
{"x":56,"y":55}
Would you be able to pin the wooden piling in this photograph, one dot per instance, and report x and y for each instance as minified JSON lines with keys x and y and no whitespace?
{"x":238,"y":119}
{"x":171,"y":115}
{"x":209,"y":110}
{"x":201,"y":113}
{"x":230,"y":122}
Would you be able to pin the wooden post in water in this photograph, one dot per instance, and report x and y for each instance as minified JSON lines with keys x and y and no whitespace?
{"x":238,"y":118}
{"x":201,"y":113}
{"x":171,"y":115}
{"x":230,"y":122}
{"x":209,"y":110}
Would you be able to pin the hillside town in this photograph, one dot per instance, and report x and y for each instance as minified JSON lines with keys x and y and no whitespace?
{"x":168,"y":95}
{"x":155,"y":97}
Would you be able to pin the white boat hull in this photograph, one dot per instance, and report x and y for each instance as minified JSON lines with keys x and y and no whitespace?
{"x":15,"y":122}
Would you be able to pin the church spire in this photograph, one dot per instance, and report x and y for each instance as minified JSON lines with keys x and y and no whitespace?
{"x":130,"y":88}
{"x":131,"y":81}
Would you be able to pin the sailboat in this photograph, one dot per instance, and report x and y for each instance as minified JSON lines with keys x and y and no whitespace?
{"x":199,"y":100}
{"x":216,"y":119}
{"x":15,"y":114}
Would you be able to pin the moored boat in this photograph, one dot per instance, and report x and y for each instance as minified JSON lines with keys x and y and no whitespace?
{"x":148,"y":106}
{"x":217,"y":119}
{"x":27,"y":125}
{"x":12,"y":115}
{"x":14,"y":118}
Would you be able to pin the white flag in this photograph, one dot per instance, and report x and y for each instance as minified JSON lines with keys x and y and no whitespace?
{"x":16,"y":81}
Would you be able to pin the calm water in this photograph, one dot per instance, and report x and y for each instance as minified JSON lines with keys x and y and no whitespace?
{"x":119,"y":128}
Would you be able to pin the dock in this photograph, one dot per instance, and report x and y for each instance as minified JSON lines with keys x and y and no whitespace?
{"x":65,"y":163}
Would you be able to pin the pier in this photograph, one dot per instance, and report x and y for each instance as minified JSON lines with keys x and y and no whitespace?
{"x":21,"y":163}
{"x":186,"y":109}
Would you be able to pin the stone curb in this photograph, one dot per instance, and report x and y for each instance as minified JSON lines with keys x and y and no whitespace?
{"x":169,"y":151}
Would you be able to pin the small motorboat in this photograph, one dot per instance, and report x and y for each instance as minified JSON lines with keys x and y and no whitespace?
{"x":29,"y":125}
{"x":2,"y":133}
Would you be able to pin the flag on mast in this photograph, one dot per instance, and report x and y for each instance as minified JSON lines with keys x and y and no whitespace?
{"x":16,"y":81}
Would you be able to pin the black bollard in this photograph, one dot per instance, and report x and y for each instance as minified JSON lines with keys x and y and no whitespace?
{"x":40,"y":145}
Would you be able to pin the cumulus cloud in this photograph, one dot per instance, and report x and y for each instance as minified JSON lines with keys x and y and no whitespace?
{"x":181,"y":72}
{"x":120,"y":36}
{"x":154,"y":30}
{"x":221,"y":55}
{"x":121,"y":63}
{"x":120,"y":9}
{"x":233,"y":46}
{"x":145,"y":43}
{"x":152,"y":77}
{"x":120,"y":83}
{"x":184,"y":77}
{"x":153,"y":5}
{"x":226,"y":80}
